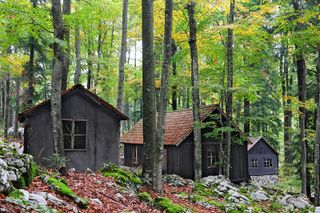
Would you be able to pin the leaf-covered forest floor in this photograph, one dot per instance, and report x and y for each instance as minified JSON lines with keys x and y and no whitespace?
{"x":113,"y":197}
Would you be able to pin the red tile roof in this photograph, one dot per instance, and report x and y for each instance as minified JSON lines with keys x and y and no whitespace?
{"x":178,"y":126}
{"x":122,"y":116}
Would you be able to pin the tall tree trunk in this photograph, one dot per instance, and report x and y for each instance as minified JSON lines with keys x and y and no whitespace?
{"x":301,"y":71}
{"x":56,"y":79}
{"x":230,"y":86}
{"x":17,"y":105}
{"x":148,"y":88}
{"x":195,"y":92}
{"x":66,"y":36}
{"x":6,"y":104}
{"x":246,"y":108}
{"x":317,"y":141}
{"x":158,"y":148}
{"x":78,"y":52}
{"x":89,"y":62}
{"x":174,"y":73}
{"x":123,"y":52}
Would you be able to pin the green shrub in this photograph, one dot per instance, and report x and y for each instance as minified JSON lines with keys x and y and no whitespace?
{"x":166,"y":204}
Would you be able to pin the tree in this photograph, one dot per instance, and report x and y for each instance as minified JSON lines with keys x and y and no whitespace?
{"x":195,"y":91}
{"x":66,"y":36}
{"x":78,"y":52}
{"x":57,"y":78}
{"x":148,"y":90}
{"x":317,"y":139}
{"x":158,"y":148}
{"x":123,"y":53}
{"x":230,"y":86}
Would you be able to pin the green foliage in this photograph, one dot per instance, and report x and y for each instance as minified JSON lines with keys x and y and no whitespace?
{"x":20,"y":183}
{"x":219,"y":204}
{"x":56,"y":160}
{"x":32,"y":172}
{"x":167,"y":205}
{"x":16,"y":194}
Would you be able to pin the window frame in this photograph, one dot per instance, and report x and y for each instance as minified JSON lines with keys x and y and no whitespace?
{"x":254,"y":163}
{"x":212,"y":159}
{"x":134,"y":155}
{"x":73,"y":135}
{"x":268,"y":163}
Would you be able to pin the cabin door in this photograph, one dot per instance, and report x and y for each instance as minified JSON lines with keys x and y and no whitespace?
{"x":210,"y":157}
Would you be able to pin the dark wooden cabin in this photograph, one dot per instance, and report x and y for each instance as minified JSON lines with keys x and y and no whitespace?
{"x":178,"y":145}
{"x":90,"y":126}
{"x":262,"y":157}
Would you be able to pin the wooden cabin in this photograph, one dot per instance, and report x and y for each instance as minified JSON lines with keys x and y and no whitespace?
{"x":90,"y":130}
{"x":262,"y":157}
{"x":178,"y":145}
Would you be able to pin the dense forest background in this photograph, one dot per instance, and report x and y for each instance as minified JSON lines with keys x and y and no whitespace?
{"x":276,"y":47}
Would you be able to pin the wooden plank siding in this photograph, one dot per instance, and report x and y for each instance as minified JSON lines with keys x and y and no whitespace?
{"x":102,"y":136}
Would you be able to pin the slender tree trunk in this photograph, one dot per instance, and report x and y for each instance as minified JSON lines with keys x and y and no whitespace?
{"x":89,"y":62}
{"x":301,"y":70}
{"x":174,"y":73}
{"x":6,"y":104}
{"x":230,"y":86}
{"x":317,"y":140}
{"x":17,"y":105}
{"x":148,"y":86}
{"x":78,"y":52}
{"x":195,"y":92}
{"x":66,"y":36}
{"x":158,"y":148}
{"x":246,"y":108}
{"x":123,"y":52}
{"x":56,"y":79}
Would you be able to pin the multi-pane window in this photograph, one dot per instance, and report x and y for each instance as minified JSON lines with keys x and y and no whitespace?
{"x":254,"y":163}
{"x":212,"y":159}
{"x":135,"y":154}
{"x":267,"y":162}
{"x":74,"y":134}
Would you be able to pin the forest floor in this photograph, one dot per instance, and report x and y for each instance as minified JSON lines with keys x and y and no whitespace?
{"x":114,"y":198}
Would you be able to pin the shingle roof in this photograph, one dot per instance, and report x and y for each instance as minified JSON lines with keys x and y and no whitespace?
{"x":178,"y":125}
{"x":122,"y":116}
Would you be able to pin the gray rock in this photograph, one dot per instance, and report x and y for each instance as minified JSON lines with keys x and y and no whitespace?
{"x":25,"y":194}
{"x":317,"y":210}
{"x":53,"y":199}
{"x":37,"y":199}
{"x":72,"y":170}
{"x":299,"y":202}
{"x":97,"y":201}
{"x":12,"y":176}
{"x":259,"y":196}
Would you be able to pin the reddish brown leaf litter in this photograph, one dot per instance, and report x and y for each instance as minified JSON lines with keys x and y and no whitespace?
{"x":95,"y":186}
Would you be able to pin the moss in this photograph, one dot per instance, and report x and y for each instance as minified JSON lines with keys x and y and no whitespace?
{"x":196,"y":198}
{"x":167,"y":205}
{"x":121,"y":176}
{"x":20,"y":183}
{"x":199,"y":188}
{"x":145,"y":197}
{"x":62,"y":187}
{"x":32,"y":172}
{"x":16,"y":194}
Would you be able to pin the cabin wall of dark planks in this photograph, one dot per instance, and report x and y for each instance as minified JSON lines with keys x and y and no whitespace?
{"x":102,"y":143}
{"x":260,"y":152}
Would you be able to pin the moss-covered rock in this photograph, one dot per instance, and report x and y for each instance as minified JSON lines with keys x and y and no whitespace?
{"x":120,"y":175}
{"x":145,"y":197}
{"x":166,"y":204}
{"x":61,"y":186}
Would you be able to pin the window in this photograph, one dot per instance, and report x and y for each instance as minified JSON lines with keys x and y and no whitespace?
{"x":267,"y":162}
{"x":74,"y":134}
{"x":135,"y":154}
{"x":254,"y":163}
{"x":212,"y":159}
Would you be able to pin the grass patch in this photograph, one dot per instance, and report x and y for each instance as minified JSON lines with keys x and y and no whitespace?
{"x":145,"y":197}
{"x":166,"y":204}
